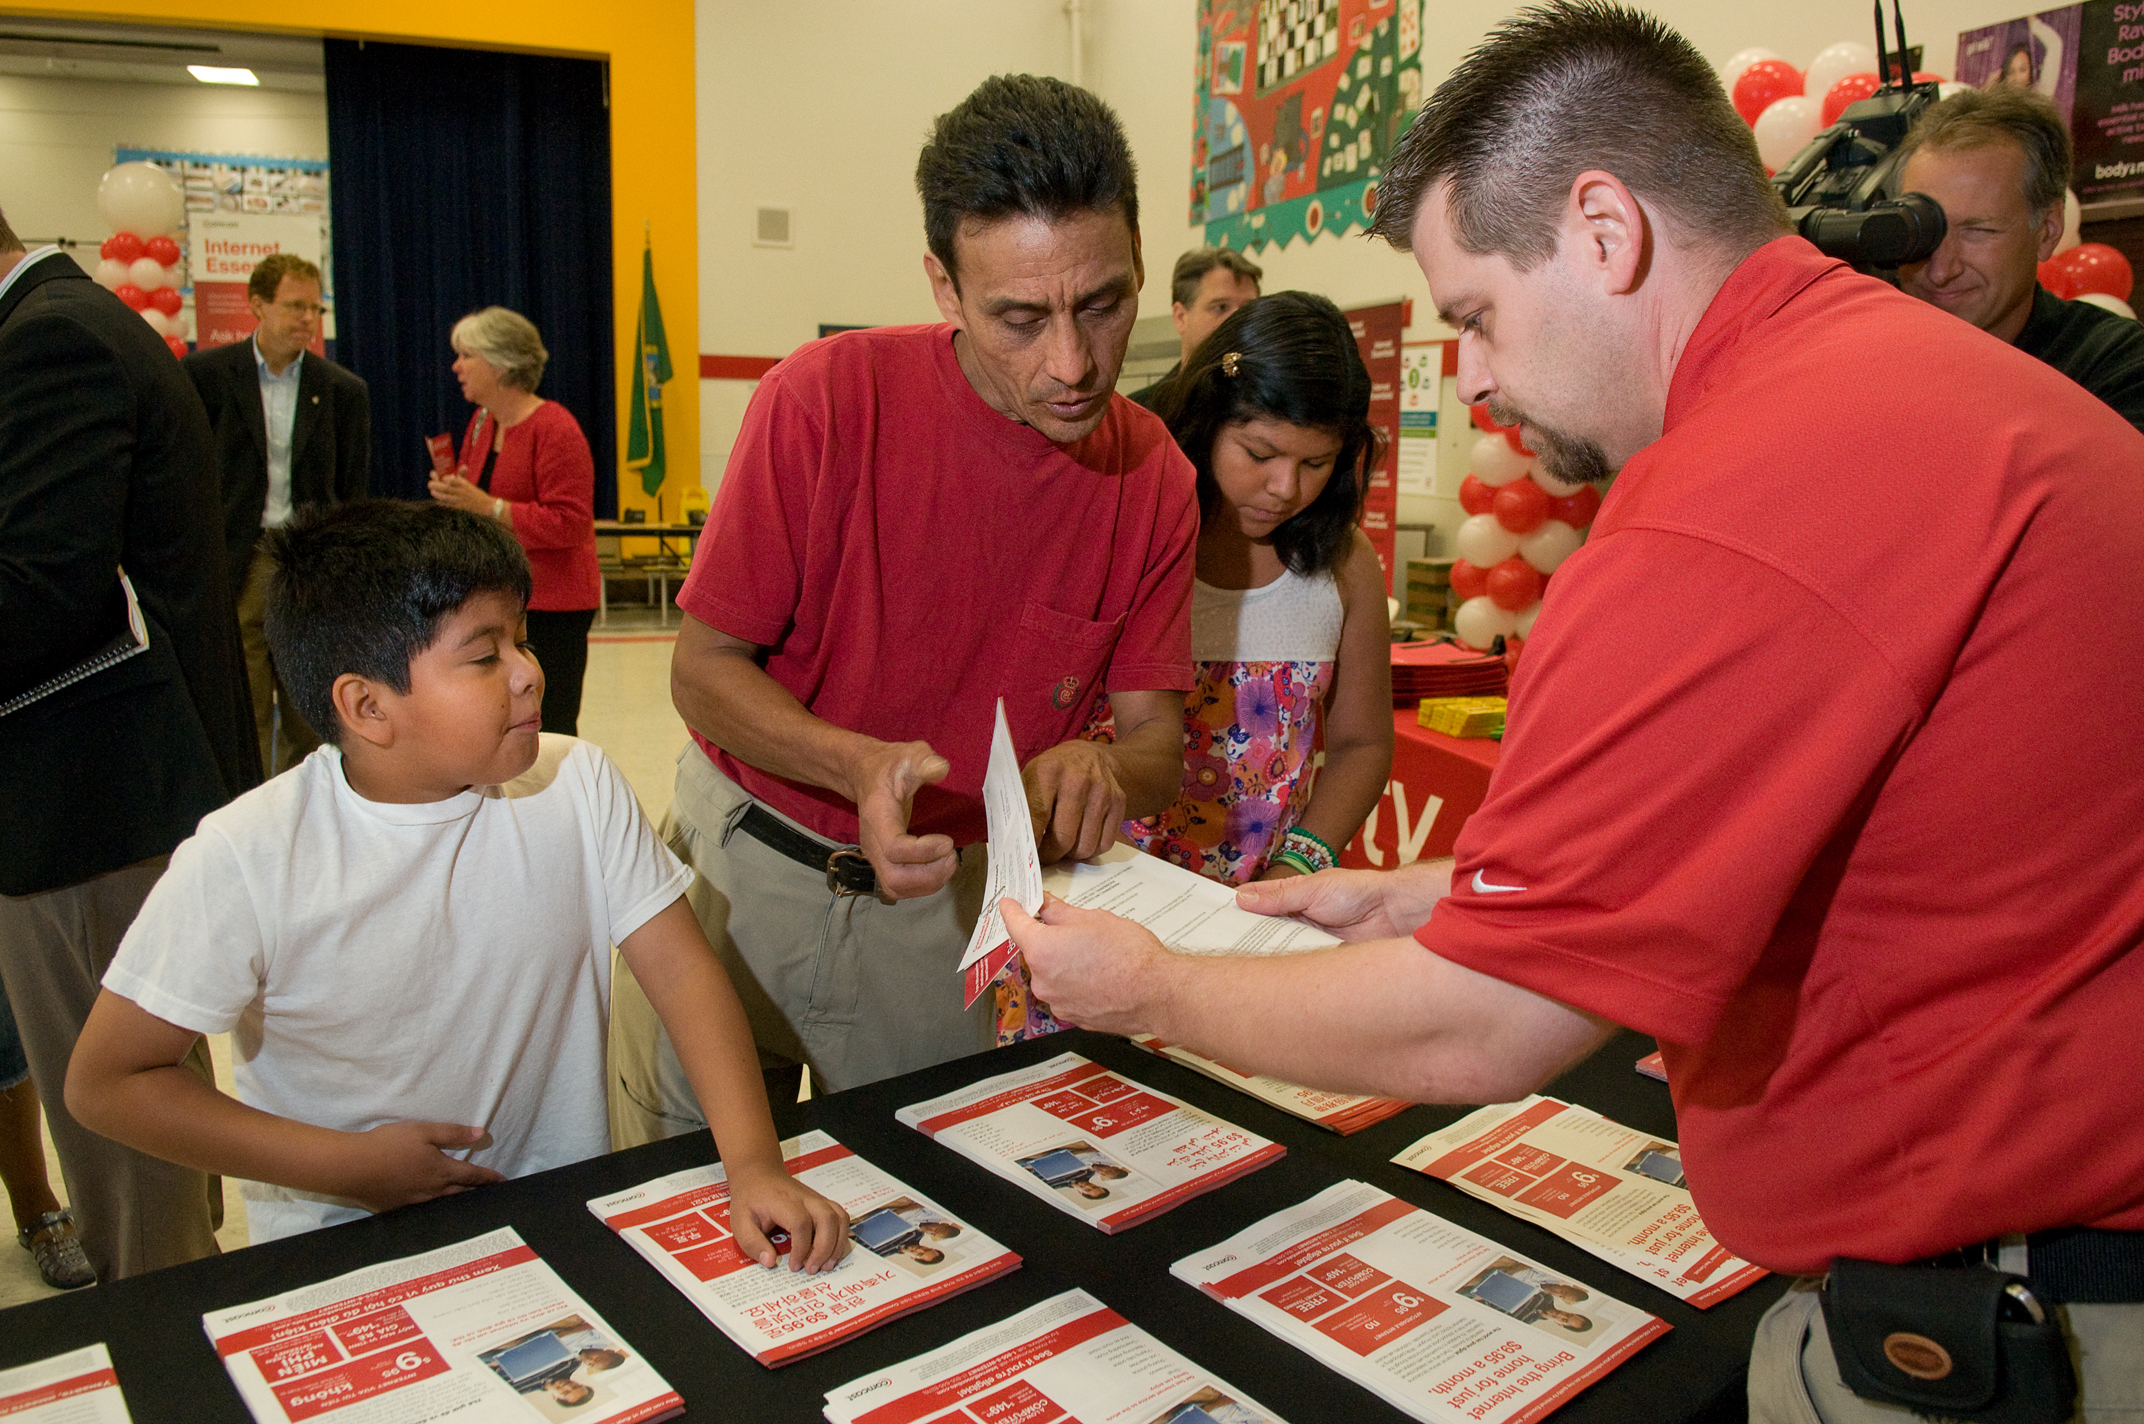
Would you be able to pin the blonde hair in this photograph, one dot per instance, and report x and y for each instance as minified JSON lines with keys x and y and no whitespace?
{"x":508,"y":340}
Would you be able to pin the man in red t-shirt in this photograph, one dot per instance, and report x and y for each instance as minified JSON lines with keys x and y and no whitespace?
{"x":1780,"y":785}
{"x":915,"y":523}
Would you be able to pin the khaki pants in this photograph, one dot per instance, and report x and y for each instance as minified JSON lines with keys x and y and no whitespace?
{"x":281,"y":747}
{"x":136,"y":1212}
{"x":1793,"y":1378}
{"x":854,"y":987}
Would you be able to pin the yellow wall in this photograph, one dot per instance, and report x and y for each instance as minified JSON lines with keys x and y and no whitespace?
{"x":649,"y":44}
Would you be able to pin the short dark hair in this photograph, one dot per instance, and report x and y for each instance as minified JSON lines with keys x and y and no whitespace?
{"x":268,"y":274}
{"x":1023,"y":145}
{"x":1295,"y":360}
{"x":1975,"y":118}
{"x":1192,"y":267}
{"x":362,"y":587}
{"x":1562,"y":88}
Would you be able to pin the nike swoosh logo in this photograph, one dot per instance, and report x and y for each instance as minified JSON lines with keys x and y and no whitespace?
{"x":1483,"y":887}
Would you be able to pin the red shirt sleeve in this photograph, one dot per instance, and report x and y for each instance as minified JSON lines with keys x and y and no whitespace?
{"x":748,"y":572}
{"x":562,"y":511}
{"x":1690,"y":730}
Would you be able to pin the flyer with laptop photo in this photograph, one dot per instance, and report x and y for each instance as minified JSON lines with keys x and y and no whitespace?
{"x":75,"y":1388}
{"x":1611,"y":1189}
{"x":482,"y":1330}
{"x":909,"y":1252}
{"x":1435,"y":1320}
{"x":1091,"y":1142}
{"x":1070,"y":1358}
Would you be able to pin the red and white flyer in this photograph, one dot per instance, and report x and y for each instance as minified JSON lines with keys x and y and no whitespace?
{"x":75,"y":1388}
{"x":1014,"y":867}
{"x":1435,"y":1320}
{"x":1343,"y":1113}
{"x":482,"y":1330}
{"x":1615,"y":1191}
{"x":1069,"y":1360}
{"x":908,"y":1252}
{"x":1090,"y":1141}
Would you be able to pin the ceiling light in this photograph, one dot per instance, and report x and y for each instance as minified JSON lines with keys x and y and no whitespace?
{"x":210,"y":74}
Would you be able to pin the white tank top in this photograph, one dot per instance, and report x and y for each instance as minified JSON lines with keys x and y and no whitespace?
{"x":1294,"y":619}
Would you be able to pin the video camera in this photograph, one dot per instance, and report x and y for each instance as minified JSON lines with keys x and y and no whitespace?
{"x":1837,"y":189}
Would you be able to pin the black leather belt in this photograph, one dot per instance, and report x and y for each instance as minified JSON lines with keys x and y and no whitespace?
{"x":2079,"y":1265}
{"x":846,"y":870}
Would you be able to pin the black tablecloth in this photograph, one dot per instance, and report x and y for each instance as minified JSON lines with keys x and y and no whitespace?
{"x":152,"y":1323}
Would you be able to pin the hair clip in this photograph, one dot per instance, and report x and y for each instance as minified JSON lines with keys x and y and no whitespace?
{"x":1232,"y":363}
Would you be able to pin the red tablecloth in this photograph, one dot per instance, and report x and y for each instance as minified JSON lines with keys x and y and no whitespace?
{"x":1437,"y":781}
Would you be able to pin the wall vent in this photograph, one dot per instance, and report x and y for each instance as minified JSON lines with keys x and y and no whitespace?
{"x":773,"y":229}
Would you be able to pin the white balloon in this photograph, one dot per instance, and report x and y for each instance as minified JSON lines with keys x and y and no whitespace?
{"x":1949,"y":87}
{"x":159,"y":323}
{"x":1527,"y":615}
{"x":1786,"y":127}
{"x":2110,"y":302}
{"x":1483,"y":542}
{"x":1555,"y":486}
{"x":147,"y":273}
{"x":140,"y":198}
{"x":1495,"y":463}
{"x":1835,"y":63}
{"x":1548,"y":545}
{"x":111,"y":272}
{"x":1736,"y":67}
{"x":1479,"y":622}
{"x":2072,"y":218}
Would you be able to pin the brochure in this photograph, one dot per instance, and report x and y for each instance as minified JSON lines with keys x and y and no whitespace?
{"x":1343,"y":1113}
{"x":1435,"y":1320}
{"x":1069,"y":1360}
{"x":482,"y":1330}
{"x":1090,"y":1141}
{"x":1015,"y":866}
{"x":1186,"y":912}
{"x":75,"y":1388}
{"x":909,"y":1252}
{"x":1652,"y":1067}
{"x":1613,"y":1190}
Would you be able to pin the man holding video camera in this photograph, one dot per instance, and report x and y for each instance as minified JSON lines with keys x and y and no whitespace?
{"x":1774,"y":787}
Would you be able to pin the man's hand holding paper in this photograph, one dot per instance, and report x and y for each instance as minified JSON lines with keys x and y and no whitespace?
{"x":1355,"y":904}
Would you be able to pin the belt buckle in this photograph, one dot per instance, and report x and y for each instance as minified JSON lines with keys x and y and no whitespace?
{"x":849,"y":872}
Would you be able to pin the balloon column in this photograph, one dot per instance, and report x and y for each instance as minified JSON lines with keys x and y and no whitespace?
{"x":1522,"y":523}
{"x":144,"y":206}
{"x":1785,"y":107}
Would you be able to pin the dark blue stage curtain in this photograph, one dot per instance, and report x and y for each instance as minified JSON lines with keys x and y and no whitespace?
{"x":463,"y":178}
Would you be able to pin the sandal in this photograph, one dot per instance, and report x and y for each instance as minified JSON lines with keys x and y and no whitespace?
{"x":57,"y":1247}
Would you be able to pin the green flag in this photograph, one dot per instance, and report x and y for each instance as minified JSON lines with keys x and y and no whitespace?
{"x":644,"y":434}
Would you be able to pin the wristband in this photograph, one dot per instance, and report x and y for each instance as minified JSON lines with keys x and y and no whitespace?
{"x":1294,"y":859}
{"x":498,"y":509}
{"x":1311,"y":848}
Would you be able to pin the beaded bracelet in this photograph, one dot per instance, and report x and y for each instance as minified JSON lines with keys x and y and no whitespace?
{"x":1295,"y":861}
{"x":1311,"y":847}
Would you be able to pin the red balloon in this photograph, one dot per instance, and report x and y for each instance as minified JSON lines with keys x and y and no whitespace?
{"x":1514,"y":585}
{"x":1468,"y":581}
{"x":167,"y":300}
{"x":1521,"y":506}
{"x":1511,"y":438}
{"x":178,"y":347}
{"x":163,"y":249}
{"x":2055,"y":276}
{"x":1850,"y":90}
{"x":1762,"y":85}
{"x":1483,"y":421}
{"x":121,"y":247}
{"x":132,"y":295}
{"x":1922,"y":76}
{"x":1576,"y":508}
{"x":2096,"y":267}
{"x":1474,"y":496}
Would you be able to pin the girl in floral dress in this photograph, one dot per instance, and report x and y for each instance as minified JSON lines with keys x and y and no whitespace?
{"x":1289,"y":632}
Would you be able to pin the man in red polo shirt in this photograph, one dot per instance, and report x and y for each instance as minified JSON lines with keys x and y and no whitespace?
{"x":915,"y":523}
{"x":1826,"y":760}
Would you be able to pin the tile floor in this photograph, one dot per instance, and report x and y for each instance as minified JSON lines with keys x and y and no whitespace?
{"x":625,"y":709}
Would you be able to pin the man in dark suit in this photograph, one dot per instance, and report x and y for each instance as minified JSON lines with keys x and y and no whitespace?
{"x":290,"y":429}
{"x":104,"y":467}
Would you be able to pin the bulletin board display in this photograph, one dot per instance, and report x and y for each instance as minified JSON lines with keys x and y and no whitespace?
{"x":1298,"y":104}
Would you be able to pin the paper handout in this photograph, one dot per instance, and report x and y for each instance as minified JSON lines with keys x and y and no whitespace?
{"x":1186,"y":912}
{"x":1015,"y":871}
{"x":75,"y":1388}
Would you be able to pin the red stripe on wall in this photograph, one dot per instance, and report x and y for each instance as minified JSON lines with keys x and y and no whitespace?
{"x":735,"y":368}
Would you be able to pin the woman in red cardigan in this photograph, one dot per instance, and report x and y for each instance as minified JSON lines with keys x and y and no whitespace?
{"x":525,"y":463}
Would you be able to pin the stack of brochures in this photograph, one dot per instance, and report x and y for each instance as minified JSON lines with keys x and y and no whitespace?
{"x":75,"y":1388}
{"x":1422,"y":670}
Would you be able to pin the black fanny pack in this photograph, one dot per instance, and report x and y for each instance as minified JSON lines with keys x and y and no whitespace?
{"x":1955,"y":1342}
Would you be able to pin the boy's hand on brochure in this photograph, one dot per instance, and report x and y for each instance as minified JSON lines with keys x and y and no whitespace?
{"x":884,"y":784}
{"x":1092,"y":968}
{"x":1355,"y":904}
{"x":1076,"y":796}
{"x":764,"y":1197}
{"x":398,"y":1163}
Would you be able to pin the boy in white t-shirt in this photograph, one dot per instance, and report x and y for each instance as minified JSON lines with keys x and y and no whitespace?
{"x":408,"y":935}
